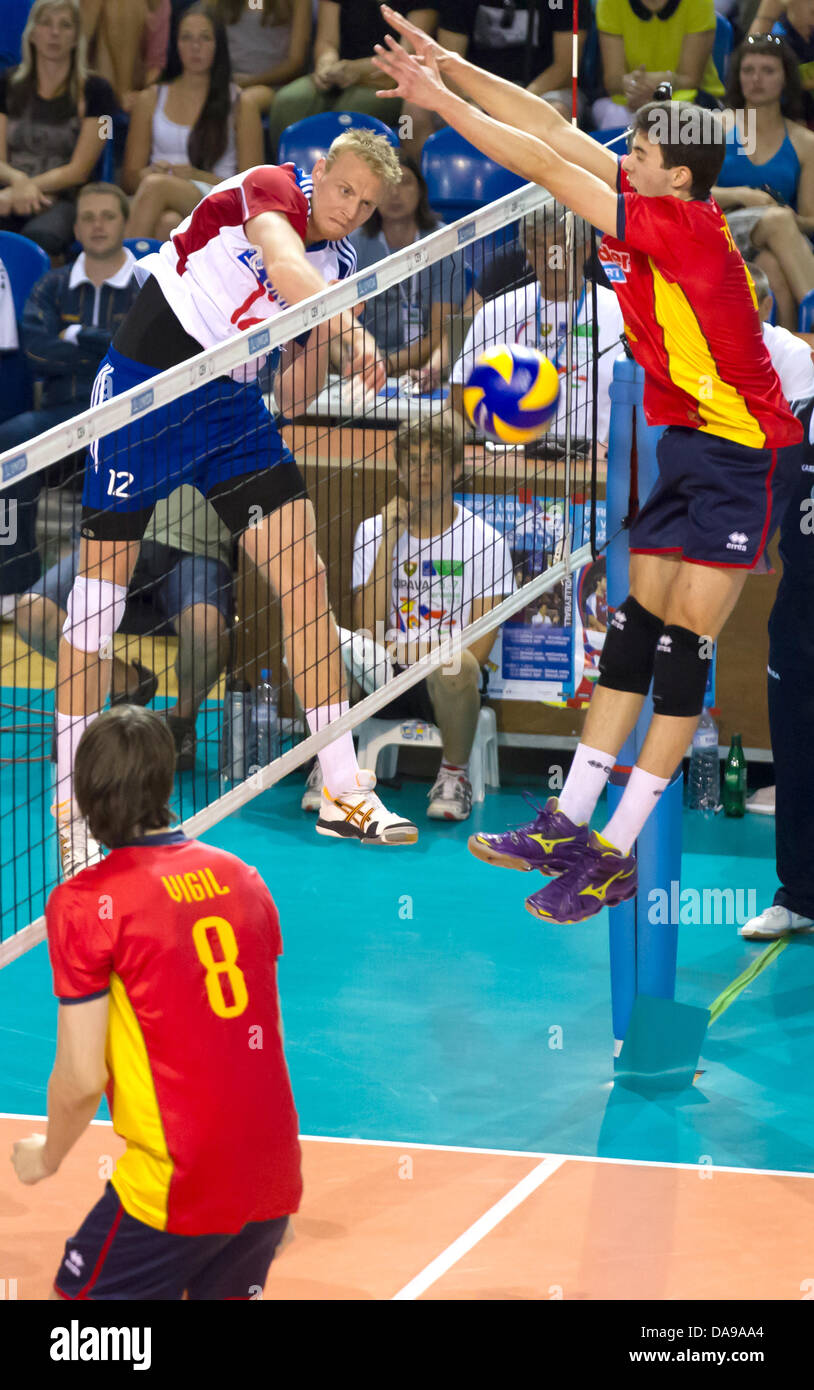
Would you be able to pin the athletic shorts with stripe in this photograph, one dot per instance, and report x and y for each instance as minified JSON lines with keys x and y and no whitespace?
{"x":114,"y":1256}
{"x":219,"y":437}
{"x":716,"y":502}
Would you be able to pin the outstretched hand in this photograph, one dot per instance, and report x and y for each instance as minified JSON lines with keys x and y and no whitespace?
{"x":417,"y":80}
{"x":425,"y":46}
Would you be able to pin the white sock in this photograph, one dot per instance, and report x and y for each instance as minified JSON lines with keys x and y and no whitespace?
{"x":337,"y":759}
{"x":70,"y":728}
{"x":639,"y":798}
{"x":585,"y":783}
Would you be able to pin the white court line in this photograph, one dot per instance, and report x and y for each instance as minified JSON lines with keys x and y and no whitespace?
{"x":478,"y":1230}
{"x":406,"y":1145}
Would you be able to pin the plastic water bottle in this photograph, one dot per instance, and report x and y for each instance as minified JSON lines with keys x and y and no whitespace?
{"x":265,"y":746}
{"x":705,"y":769}
{"x":236,"y":730}
{"x":735,"y":779}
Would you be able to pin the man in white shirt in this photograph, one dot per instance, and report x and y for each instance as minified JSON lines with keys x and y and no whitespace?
{"x":791,"y":356}
{"x":535,"y":314}
{"x":424,"y":568}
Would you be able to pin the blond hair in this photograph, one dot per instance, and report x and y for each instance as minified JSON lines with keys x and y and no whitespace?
{"x":24,"y":78}
{"x":376,"y":151}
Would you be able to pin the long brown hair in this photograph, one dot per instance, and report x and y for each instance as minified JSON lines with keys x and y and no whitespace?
{"x":426,"y":219}
{"x":23,"y":81}
{"x":123,"y":774}
{"x":209,"y":137}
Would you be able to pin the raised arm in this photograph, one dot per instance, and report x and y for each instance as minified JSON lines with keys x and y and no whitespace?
{"x":570,"y":183}
{"x":295,"y":279}
{"x":508,"y":103}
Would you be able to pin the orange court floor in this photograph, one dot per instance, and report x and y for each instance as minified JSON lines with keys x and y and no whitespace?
{"x":383,"y":1220}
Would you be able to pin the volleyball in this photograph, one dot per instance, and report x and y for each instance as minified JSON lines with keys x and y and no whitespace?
{"x":512,"y":393}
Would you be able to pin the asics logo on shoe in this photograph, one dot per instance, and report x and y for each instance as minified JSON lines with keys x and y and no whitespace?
{"x":355,"y":814}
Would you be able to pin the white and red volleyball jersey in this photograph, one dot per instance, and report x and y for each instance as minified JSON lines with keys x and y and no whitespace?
{"x":211,"y":276}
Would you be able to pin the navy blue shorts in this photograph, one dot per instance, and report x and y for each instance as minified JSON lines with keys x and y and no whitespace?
{"x":215,"y":434}
{"x":712,"y":504}
{"x":164,"y":583}
{"x":114,"y":1256}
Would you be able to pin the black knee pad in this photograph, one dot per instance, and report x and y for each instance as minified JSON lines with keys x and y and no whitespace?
{"x":680,"y":672}
{"x":627,"y":657}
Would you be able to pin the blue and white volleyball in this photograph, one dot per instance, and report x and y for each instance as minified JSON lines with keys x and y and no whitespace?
{"x":512,"y":394}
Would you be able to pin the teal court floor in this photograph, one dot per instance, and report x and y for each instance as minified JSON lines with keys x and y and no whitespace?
{"x":423,"y":1004}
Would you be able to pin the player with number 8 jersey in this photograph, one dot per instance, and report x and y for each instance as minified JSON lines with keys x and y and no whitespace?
{"x":177,"y":942}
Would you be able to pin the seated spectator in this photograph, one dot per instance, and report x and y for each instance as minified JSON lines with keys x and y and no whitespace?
{"x":68,"y":324}
{"x":49,"y":127}
{"x":190,"y":132}
{"x":268,"y":44}
{"x":535,"y":314}
{"x":646,"y":42}
{"x":127,"y":42}
{"x":495,"y":37}
{"x":343,"y":78}
{"x":408,"y":320}
{"x":423,"y":569}
{"x":181,"y":586}
{"x":766,"y":185}
{"x":790,"y":354}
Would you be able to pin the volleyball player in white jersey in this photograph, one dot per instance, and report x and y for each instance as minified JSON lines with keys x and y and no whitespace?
{"x":256,"y":244}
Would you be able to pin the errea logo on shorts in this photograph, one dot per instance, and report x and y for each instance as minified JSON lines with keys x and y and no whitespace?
{"x":665,"y":643}
{"x":737,"y":541}
{"x":618,"y":621}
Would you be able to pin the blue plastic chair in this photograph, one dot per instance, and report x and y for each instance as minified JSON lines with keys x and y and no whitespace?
{"x":459,"y":178}
{"x":25,"y":263}
{"x":142,"y":245}
{"x":306,"y":141}
{"x":722,"y":46}
{"x":805,"y":314}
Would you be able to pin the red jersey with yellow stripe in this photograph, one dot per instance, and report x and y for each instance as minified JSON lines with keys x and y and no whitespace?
{"x":691,"y":319}
{"x":185,"y":938}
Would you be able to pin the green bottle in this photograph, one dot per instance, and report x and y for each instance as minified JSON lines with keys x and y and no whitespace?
{"x":734,"y":796}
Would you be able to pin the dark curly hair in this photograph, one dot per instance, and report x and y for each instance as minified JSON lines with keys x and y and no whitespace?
{"x":771,"y":46}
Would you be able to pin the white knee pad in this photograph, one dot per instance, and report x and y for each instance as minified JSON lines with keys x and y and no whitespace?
{"x":95,"y":611}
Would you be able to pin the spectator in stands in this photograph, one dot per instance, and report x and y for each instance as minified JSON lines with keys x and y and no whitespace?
{"x":127,"y":42}
{"x":181,"y":586}
{"x":68,"y":324}
{"x":796,"y":28}
{"x":790,"y":354}
{"x":49,"y":127}
{"x":408,"y":320}
{"x":190,"y":132}
{"x":343,"y":77}
{"x":646,"y":42}
{"x":496,"y":38}
{"x":535,"y":314}
{"x":424,"y":568}
{"x":766,"y":185}
{"x":268,"y":44}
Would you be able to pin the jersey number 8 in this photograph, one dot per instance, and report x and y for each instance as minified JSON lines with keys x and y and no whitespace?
{"x":217,"y":969}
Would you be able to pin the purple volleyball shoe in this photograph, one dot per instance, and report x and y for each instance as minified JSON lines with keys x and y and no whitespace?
{"x":551,"y":843}
{"x":602,"y":877}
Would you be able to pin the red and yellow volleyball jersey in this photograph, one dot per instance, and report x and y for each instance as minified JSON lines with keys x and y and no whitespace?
{"x":185,"y":937}
{"x":691,"y":319}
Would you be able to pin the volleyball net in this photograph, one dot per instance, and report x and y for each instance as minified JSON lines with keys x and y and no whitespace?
{"x":224,"y":629}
